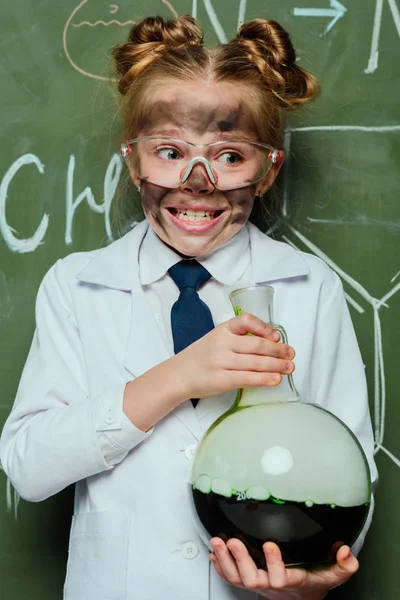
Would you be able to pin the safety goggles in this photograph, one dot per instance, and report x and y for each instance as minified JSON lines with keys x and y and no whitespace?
{"x":229,"y":164}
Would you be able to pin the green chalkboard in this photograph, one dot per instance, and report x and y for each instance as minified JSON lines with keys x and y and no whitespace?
{"x":60,"y":175}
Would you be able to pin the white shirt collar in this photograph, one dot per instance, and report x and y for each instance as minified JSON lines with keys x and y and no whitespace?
{"x":116,"y":266}
{"x":226,"y":263}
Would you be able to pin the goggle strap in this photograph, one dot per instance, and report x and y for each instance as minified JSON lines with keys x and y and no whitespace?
{"x":184,"y":174}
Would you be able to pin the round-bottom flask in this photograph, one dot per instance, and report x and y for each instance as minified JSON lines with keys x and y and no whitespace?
{"x":275,"y":468}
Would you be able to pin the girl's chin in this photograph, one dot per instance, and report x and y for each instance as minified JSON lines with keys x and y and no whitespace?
{"x":191,"y":245}
{"x":193,"y":248}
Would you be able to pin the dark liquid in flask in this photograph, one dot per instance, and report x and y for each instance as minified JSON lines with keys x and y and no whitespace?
{"x":306,"y":536}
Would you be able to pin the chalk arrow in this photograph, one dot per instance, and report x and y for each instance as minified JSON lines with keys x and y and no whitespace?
{"x":336,"y":11}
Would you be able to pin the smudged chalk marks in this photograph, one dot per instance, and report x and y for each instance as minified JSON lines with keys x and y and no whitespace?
{"x":6,"y":308}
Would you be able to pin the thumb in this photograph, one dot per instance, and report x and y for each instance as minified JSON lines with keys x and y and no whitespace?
{"x":346,"y":563}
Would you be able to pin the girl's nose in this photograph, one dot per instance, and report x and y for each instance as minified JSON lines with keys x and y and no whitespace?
{"x":198,"y":180}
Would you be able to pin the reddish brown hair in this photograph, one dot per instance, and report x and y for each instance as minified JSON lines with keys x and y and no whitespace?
{"x":261,"y":58}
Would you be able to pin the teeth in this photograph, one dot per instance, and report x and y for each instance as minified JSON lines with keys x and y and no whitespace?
{"x":192,"y":215}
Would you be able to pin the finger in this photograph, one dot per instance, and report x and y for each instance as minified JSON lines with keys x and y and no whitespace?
{"x":266,"y":364}
{"x":247,"y":323}
{"x":226,"y":561}
{"x":254,"y":344}
{"x":217,"y":566}
{"x":252,"y":577}
{"x":276,"y":567}
{"x":241,"y":379}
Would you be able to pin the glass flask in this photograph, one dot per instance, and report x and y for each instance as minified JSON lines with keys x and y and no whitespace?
{"x":276,"y":468}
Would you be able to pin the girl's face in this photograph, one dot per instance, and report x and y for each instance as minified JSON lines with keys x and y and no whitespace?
{"x":200,"y":112}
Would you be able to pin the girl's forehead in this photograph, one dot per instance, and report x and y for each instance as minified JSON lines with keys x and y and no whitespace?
{"x":198,"y":108}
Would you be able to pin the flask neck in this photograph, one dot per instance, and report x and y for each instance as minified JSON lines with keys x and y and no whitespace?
{"x":258,"y":300}
{"x":285,"y":391}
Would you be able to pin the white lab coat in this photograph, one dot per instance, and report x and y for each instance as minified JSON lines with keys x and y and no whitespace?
{"x":132,"y":535}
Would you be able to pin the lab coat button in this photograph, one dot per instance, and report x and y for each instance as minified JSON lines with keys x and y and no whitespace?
{"x":189,"y":550}
{"x":109,"y":419}
{"x":190,"y":451}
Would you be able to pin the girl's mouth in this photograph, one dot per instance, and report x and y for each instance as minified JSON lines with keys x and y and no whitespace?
{"x":194,"y":215}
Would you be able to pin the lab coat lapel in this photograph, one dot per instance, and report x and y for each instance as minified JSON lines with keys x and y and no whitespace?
{"x":146,"y":348}
{"x":117,"y":267}
{"x":274,"y":261}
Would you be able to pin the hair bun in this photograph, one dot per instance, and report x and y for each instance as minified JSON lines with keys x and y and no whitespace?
{"x":174,"y":34}
{"x":150,"y":38}
{"x":272,"y":38}
{"x":272,"y":52}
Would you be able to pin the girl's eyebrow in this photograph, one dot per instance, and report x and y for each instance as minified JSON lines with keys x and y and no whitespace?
{"x":170,"y":132}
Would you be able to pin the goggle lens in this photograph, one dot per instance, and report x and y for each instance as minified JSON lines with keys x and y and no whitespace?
{"x":169,"y":162}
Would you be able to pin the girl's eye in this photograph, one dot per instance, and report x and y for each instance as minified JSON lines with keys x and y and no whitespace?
{"x":230,"y":158}
{"x":168,"y":154}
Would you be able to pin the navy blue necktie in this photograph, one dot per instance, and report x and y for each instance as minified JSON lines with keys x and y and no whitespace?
{"x":190,"y":316}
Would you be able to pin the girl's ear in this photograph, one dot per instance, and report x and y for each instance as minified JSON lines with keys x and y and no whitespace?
{"x":265,"y":183}
{"x":136,"y":182}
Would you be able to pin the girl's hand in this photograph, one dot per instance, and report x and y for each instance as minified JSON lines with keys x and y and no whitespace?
{"x":234,"y":564}
{"x":227,"y":358}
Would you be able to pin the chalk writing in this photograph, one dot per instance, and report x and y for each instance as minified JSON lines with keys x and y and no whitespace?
{"x":376,"y":33}
{"x":111,"y":180}
{"x":14,"y":243}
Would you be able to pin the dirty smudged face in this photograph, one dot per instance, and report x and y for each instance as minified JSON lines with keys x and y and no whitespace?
{"x":197,"y":218}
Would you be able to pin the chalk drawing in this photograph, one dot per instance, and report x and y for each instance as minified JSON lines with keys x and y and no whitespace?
{"x":395,"y":277}
{"x":379,"y":399}
{"x":111,"y":180}
{"x":376,"y":32}
{"x":14,"y":243}
{"x":73,"y":23}
{"x":212,"y":15}
{"x":215,"y":22}
{"x":12,"y":497}
{"x":337,"y":11}
{"x":366,"y":129}
{"x":359,"y":219}
{"x":242,"y":13}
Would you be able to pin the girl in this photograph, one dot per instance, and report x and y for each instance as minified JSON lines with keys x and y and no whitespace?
{"x":104,"y":401}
